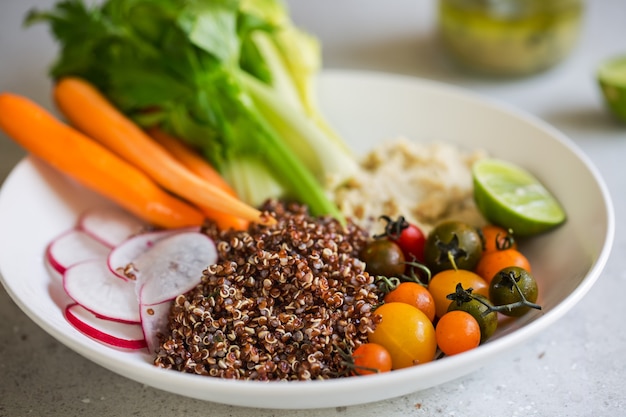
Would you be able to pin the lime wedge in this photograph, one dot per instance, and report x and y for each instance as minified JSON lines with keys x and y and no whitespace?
{"x":509,"y":196}
{"x":612,"y":79}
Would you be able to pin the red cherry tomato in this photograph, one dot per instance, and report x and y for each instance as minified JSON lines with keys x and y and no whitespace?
{"x":412,"y":241}
{"x":408,"y":236}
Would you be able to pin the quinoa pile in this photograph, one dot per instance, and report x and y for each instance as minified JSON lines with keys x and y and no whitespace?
{"x":282,"y":302}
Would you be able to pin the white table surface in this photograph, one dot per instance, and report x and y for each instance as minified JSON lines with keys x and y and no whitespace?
{"x":576,"y":368}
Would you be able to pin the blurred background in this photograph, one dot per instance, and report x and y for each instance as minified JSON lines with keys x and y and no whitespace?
{"x":406,"y":37}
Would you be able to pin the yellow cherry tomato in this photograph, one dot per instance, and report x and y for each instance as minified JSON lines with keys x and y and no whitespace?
{"x":406,"y":333}
{"x":445,"y":282}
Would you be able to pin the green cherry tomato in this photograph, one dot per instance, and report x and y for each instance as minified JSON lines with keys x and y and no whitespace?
{"x":453,"y":244}
{"x":383,"y":257}
{"x":512,"y":286}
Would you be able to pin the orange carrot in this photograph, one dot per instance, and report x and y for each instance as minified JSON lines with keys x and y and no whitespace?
{"x":91,"y":112}
{"x":190,"y":159}
{"x":92,"y":165}
{"x":199,"y":166}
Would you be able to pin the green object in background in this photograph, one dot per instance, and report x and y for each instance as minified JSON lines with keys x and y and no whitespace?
{"x":612,"y":79}
{"x":509,"y":37}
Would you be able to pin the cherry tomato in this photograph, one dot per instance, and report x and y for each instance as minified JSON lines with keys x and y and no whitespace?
{"x":492,"y":262}
{"x":497,"y":238}
{"x":383,"y":257}
{"x":370,"y":358}
{"x":457,"y":331}
{"x":408,"y":236}
{"x":414,"y":294}
{"x":445,"y":282}
{"x":412,"y":241}
{"x":406,"y":333}
{"x":505,"y":289}
{"x":487,"y":319}
{"x":453,"y":245}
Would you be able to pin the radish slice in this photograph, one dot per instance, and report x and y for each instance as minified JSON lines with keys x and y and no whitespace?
{"x":110,"y":225}
{"x":173,"y":266}
{"x":154,"y":319}
{"x":126,"y":313}
{"x":128,"y":251}
{"x":95,"y":288}
{"x":121,"y":335}
{"x":72,"y":247}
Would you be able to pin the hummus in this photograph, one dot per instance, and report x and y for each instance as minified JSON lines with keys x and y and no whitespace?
{"x":425,"y":183}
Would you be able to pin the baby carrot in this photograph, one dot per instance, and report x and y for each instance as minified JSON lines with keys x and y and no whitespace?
{"x":91,"y":112}
{"x":199,"y":166}
{"x":89,"y":163}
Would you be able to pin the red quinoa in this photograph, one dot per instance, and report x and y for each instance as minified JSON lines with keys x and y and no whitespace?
{"x":280,"y":304}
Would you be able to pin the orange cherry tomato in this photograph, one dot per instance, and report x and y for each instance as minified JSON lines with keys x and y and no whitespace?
{"x":445,"y":282}
{"x":414,"y":294}
{"x":493,"y":262}
{"x":457,"y":331}
{"x":496,"y":237}
{"x":370,"y":358}
{"x":406,"y":333}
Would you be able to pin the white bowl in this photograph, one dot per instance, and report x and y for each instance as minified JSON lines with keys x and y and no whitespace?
{"x":36,"y":204}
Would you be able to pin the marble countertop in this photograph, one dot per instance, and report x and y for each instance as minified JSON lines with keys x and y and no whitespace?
{"x":575,"y":368}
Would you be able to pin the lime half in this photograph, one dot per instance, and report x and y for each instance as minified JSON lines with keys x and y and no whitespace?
{"x":612,"y":79}
{"x":509,"y":196}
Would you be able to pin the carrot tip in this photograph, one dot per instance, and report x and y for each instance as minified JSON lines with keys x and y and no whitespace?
{"x":267,"y":220}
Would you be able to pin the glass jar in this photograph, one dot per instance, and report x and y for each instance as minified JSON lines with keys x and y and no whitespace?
{"x":509,"y":37}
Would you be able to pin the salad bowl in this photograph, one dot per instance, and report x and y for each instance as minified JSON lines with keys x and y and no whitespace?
{"x":37,"y":203}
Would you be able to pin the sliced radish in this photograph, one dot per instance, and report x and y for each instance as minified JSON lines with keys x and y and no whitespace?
{"x":74,"y":246}
{"x":128,"y":251}
{"x":173,"y":266}
{"x":126,"y":313}
{"x":121,"y":335}
{"x":95,"y":288}
{"x":111,"y":225}
{"x":154,"y":319}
